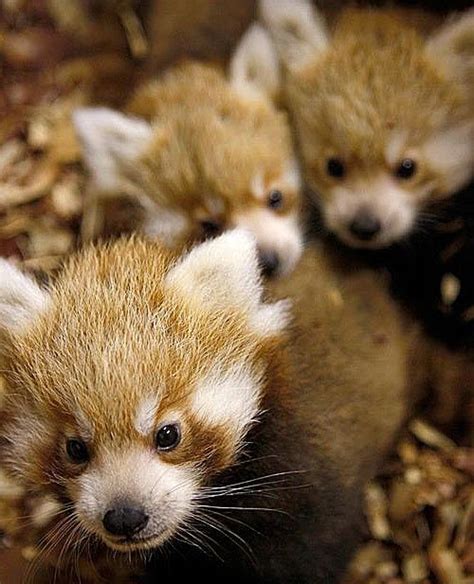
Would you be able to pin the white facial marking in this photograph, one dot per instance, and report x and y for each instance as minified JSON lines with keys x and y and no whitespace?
{"x":257,"y":187}
{"x":138,"y":478}
{"x":291,"y":177}
{"x":229,"y":398}
{"x":146,"y":415}
{"x":21,"y":299}
{"x":384,"y":199}
{"x":163,"y":224}
{"x":86,"y":428}
{"x":215,"y":205}
{"x":280,"y":234}
{"x":395,"y":148}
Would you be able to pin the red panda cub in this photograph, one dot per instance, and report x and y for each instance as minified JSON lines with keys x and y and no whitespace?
{"x":203,"y":153}
{"x":166,"y":406}
{"x":384,"y":118}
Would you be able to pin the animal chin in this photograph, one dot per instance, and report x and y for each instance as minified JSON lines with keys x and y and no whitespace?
{"x":126,"y":545}
{"x":380,"y":242}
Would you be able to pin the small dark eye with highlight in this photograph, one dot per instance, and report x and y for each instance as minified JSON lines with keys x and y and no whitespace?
{"x":335,"y":168}
{"x":275,"y":199}
{"x":77,"y":451}
{"x":168,"y":437}
{"x":406,"y":168}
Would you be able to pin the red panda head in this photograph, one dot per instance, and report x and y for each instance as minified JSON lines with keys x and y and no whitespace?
{"x":133,"y":381}
{"x":384,"y":118}
{"x":204,"y":153}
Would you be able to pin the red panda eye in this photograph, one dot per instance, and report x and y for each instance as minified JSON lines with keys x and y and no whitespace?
{"x":168,"y":437}
{"x":210,"y":227}
{"x":77,"y":451}
{"x":275,"y":199}
{"x":406,"y":169}
{"x":335,"y":168}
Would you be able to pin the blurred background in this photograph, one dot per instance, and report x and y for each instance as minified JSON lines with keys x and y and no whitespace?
{"x":56,"y":55}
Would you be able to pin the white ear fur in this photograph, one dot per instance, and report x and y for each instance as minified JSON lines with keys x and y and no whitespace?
{"x":254,"y":67}
{"x":453,"y":44}
{"x":298,"y":29}
{"x":223,"y":273}
{"x":21,"y":299}
{"x":451,"y":153}
{"x":109,"y":139}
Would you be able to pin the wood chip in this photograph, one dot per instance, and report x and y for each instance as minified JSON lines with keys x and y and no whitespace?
{"x":430,"y":436}
{"x":447,"y":567}
{"x":450,"y":289}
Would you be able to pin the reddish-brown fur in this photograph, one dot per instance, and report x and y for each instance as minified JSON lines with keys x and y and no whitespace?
{"x":335,"y":392}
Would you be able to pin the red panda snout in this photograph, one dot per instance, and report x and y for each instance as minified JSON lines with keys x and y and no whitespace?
{"x":372,"y":215}
{"x":134,"y":500}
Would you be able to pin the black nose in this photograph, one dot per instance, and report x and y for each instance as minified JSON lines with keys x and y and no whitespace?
{"x":269,"y":262}
{"x":125,"y":521}
{"x":365,"y":226}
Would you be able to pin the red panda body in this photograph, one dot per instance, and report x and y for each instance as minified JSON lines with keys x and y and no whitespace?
{"x":158,"y":398}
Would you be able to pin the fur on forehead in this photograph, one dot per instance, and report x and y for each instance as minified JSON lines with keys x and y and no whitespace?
{"x":126,"y":321}
{"x":334,"y":99}
{"x":221,"y":155}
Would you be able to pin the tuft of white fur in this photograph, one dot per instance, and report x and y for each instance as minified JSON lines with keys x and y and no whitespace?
{"x":451,"y":155}
{"x":229,"y":398}
{"x":21,"y":299}
{"x":254,"y":67}
{"x":298,"y":29}
{"x":453,"y":45}
{"x":109,"y":139}
{"x":223,"y":274}
{"x":164,"y":224}
{"x":146,"y":415}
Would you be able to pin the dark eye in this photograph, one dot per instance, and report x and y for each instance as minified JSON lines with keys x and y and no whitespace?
{"x":406,"y":169}
{"x":335,"y":168}
{"x":77,"y":451}
{"x":168,"y":437}
{"x":275,"y":199}
{"x":210,"y":227}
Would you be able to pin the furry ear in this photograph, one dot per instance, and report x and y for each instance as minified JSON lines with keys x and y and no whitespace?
{"x":451,"y":154}
{"x":298,"y":29}
{"x":21,"y":299}
{"x":110,"y":140}
{"x":254,"y":67}
{"x":453,"y":45}
{"x":222,"y":274}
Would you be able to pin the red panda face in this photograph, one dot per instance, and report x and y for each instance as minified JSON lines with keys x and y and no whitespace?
{"x":135,"y":382}
{"x":383,"y":116}
{"x":204,"y":155}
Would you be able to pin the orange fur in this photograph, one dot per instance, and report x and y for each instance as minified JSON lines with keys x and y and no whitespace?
{"x":203,"y":152}
{"x":126,"y":321}
{"x":371,"y":94}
